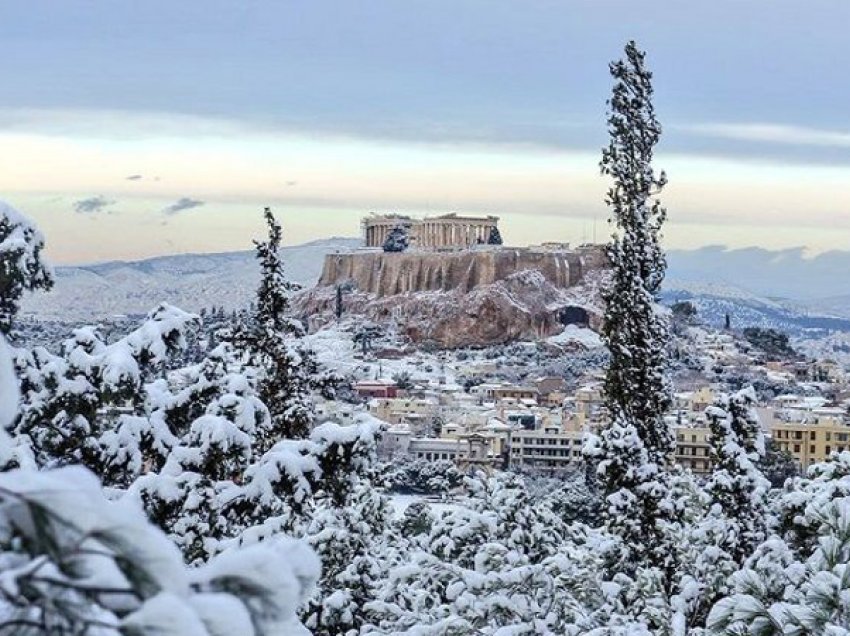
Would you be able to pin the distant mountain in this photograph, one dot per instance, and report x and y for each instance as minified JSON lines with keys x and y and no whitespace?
{"x":189,"y":281}
{"x":787,"y":273}
{"x":785,"y":289}
{"x":714,"y":301}
{"x":838,"y":305}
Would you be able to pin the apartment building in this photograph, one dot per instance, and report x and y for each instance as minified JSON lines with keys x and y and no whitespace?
{"x":692,"y":448}
{"x":417,"y":411}
{"x":812,"y":441}
{"x":549,"y":449}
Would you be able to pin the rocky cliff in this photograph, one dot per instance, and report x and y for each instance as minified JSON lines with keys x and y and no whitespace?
{"x":389,"y":274}
{"x":468,"y":298}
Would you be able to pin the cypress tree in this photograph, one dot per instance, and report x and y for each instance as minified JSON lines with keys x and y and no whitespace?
{"x":637,"y":445}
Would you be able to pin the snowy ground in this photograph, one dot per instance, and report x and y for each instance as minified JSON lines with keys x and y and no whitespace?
{"x":575,"y":334}
{"x":335,"y":350}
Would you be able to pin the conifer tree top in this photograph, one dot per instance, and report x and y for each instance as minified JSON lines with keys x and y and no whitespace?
{"x":274,"y":289}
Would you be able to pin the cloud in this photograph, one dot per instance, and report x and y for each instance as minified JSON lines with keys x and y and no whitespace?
{"x":184,"y":203}
{"x":134,"y":177}
{"x":92,"y":205}
{"x":772,"y":133}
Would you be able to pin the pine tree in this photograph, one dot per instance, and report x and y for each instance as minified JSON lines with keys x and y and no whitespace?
{"x":737,"y":485}
{"x":271,"y":340}
{"x":21,"y":266}
{"x":76,"y":563}
{"x":637,"y":445}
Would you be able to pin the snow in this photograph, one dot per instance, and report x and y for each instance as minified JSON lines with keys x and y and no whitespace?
{"x":279,"y":574}
{"x":9,"y":392}
{"x":169,"y":615}
{"x":578,"y":335}
{"x":400,"y":503}
{"x":74,"y":496}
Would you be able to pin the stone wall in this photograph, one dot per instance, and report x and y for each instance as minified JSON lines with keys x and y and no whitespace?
{"x":388,"y":274}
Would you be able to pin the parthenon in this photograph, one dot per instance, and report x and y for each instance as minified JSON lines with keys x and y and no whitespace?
{"x":439,"y":232}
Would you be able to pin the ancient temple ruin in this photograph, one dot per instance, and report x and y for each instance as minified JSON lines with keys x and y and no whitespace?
{"x":449,"y":231}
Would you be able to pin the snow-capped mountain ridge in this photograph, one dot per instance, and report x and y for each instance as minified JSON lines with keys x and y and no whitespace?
{"x":190,"y":281}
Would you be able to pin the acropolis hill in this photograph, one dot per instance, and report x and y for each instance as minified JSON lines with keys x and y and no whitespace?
{"x":453,"y":288}
{"x":387,"y":274}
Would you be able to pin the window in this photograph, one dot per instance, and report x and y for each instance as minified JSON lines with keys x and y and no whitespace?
{"x":813,"y":436}
{"x":796,"y":448}
{"x":693,"y":438}
{"x":828,"y":448}
{"x":812,"y":449}
{"x":798,"y":434}
{"x":828,"y":437}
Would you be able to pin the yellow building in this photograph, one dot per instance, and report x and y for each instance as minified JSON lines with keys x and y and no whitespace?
{"x":415,"y":411}
{"x":811,"y":441}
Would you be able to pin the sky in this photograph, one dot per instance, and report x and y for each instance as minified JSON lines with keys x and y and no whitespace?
{"x":131,"y":129}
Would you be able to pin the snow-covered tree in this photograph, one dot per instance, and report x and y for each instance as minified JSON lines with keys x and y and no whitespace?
{"x":797,"y":510}
{"x":76,"y":401}
{"x":349,"y":540}
{"x":635,"y":449}
{"x":422,"y":476}
{"x":398,"y":239}
{"x":736,"y":484}
{"x":21,"y":265}
{"x":74,"y":563}
{"x":286,"y":372}
{"x":779,"y":592}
